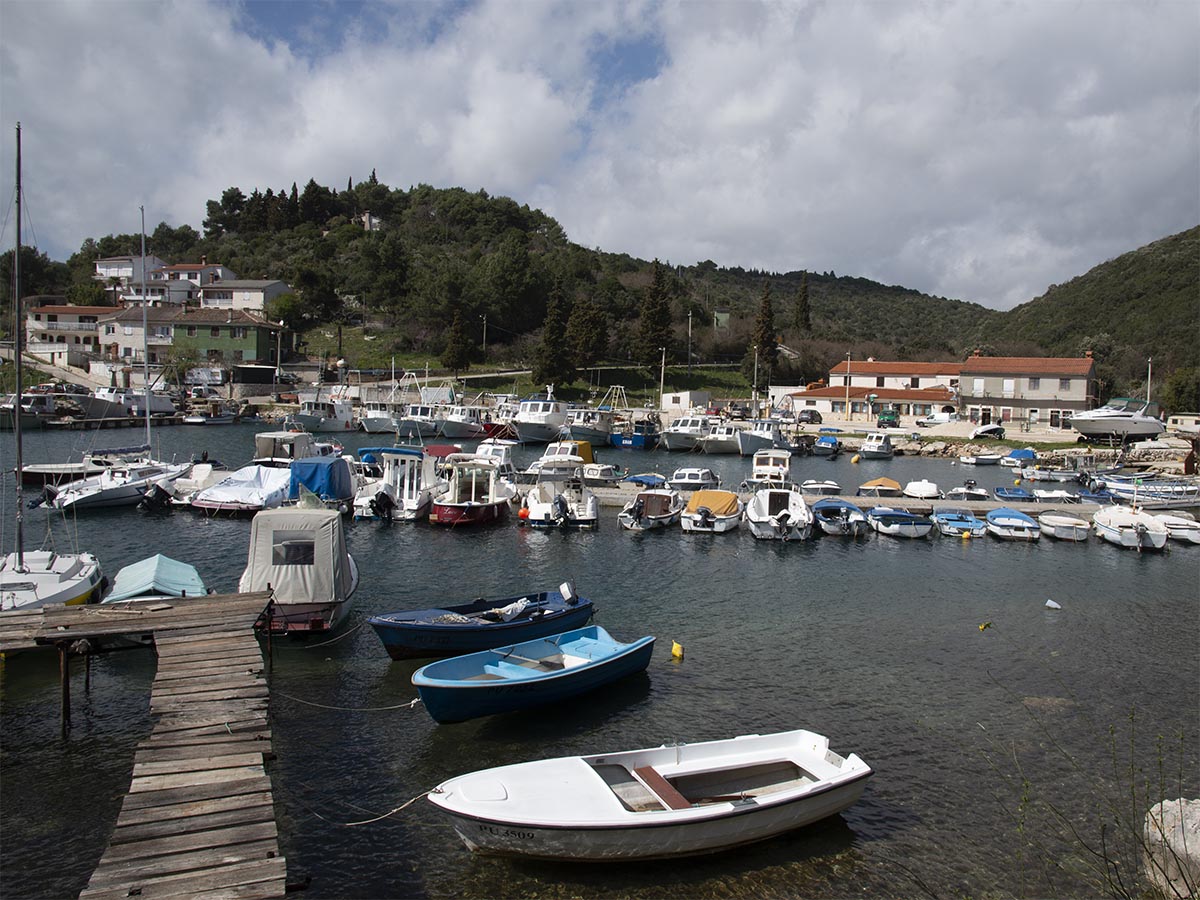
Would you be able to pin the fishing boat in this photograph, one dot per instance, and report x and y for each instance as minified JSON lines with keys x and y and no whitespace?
{"x":769,"y":468}
{"x":711,"y":512}
{"x":879,"y":487}
{"x":567,"y":452}
{"x":531,"y":673}
{"x":694,"y":479}
{"x":467,"y":423}
{"x":922,"y":489}
{"x":669,"y":801}
{"x":899,"y":522}
{"x":1063,"y":527}
{"x":418,"y":420}
{"x":476,"y":492}
{"x":651,"y":509}
{"x":318,"y":415}
{"x":760,"y":434}
{"x":379,"y":416}
{"x":245,"y":491}
{"x":959,"y":523}
{"x":560,"y":499}
{"x":877,"y":445}
{"x":405,"y":487}
{"x":640,"y":433}
{"x":1180,"y":527}
{"x":840,"y":518}
{"x":721,"y":439}
{"x":587,"y":423}
{"x":299,"y":554}
{"x":480,"y":624}
{"x":820,"y":486}
{"x":1131,"y":528}
{"x":685,"y":432}
{"x":1009,"y":524}
{"x":540,"y":418}
{"x":778,"y":514}
{"x":1011,"y":494}
{"x":827,"y":443}
{"x":968,"y":490}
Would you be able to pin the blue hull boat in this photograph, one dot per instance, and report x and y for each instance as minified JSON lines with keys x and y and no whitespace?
{"x":531,"y":673}
{"x":480,"y":624}
{"x":641,"y":436}
{"x":1019,"y":494}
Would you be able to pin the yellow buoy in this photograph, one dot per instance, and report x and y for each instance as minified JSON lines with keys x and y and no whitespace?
{"x":966,"y":535}
{"x":854,"y":458}
{"x":677,"y":649}
{"x":1016,"y":481}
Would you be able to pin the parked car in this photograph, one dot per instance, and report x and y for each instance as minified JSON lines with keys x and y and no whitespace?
{"x":808,"y":417}
{"x":994,"y":430}
{"x":888,"y":418}
{"x":937,"y":418}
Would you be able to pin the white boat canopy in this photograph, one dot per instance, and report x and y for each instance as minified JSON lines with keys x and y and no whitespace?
{"x":300,"y":554}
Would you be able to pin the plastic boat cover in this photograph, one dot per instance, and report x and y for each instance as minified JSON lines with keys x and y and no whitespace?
{"x":329,"y":477}
{"x":1022,"y":453}
{"x":300,"y":554}
{"x":720,"y":503}
{"x":253,"y":486}
{"x":880,"y":483}
{"x":154,"y":576}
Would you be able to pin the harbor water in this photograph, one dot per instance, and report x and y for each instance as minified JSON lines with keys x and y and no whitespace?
{"x":1015,"y":747}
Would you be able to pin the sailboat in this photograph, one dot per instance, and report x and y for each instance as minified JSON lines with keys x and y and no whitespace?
{"x":127,"y":484}
{"x":40,"y":577}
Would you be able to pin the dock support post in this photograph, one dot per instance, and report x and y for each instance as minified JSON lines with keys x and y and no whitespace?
{"x":64,"y":677}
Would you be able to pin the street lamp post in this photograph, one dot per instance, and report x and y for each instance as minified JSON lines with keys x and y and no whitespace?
{"x":662,"y":377}
{"x":278,"y":356}
{"x":689,"y":344}
{"x":848,"y":417}
{"x":754,"y":386}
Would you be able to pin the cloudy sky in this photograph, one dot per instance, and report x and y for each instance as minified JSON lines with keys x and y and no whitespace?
{"x":975,"y":149}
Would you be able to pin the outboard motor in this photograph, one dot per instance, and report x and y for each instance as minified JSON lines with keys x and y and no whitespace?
{"x":156,"y":499}
{"x":704,"y":516}
{"x":382,"y":505}
{"x":562,"y":512}
{"x":639,"y":508}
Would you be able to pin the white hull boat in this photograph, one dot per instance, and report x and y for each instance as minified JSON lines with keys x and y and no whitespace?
{"x":899,"y":522}
{"x":248,"y":490}
{"x":779,"y":514}
{"x":36,"y":578}
{"x":922,"y":490}
{"x":560,"y":500}
{"x":539,"y":420}
{"x":685,"y":433}
{"x":656,"y":803}
{"x":1009,"y":524}
{"x":712,"y":512}
{"x":840,"y":518}
{"x":968,"y":491}
{"x":721,"y":439}
{"x":826,"y":487}
{"x":405,"y":489}
{"x":1130,"y":528}
{"x":1180,"y":528}
{"x":769,"y":468}
{"x":877,"y":445}
{"x":694,"y":479}
{"x":981,"y":459}
{"x":651,"y":509}
{"x":1063,"y":527}
{"x":958,"y":523}
{"x":379,"y":417}
{"x":318,"y":416}
{"x":118,"y":486}
{"x":760,"y":434}
{"x":1122,"y":418}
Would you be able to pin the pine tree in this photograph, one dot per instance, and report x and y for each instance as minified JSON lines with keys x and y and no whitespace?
{"x":655,"y":325}
{"x":457,"y":355}
{"x":552,"y":362}
{"x":802,"y":313}
{"x":587,"y":332}
{"x":763,"y":339}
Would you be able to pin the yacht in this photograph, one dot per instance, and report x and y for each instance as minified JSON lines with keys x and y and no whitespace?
{"x":1121,"y":418}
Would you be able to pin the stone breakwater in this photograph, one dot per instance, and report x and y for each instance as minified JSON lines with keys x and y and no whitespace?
{"x":1158,"y":459}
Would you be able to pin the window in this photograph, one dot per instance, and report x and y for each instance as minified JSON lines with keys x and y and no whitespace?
{"x":191,"y":331}
{"x":977,"y":387}
{"x":1064,"y":384}
{"x":879,"y":381}
{"x":1035,"y":384}
{"x":128,"y":329}
{"x":239,"y":333}
{"x":110,"y":329}
{"x":293,"y":548}
{"x":1010,"y":385}
{"x":214,"y":331}
{"x":916,"y":382}
{"x":50,"y":317}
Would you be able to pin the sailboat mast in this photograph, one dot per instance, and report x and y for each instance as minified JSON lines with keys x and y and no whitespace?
{"x":1149,"y":369}
{"x":18,"y":328}
{"x":145,"y":331}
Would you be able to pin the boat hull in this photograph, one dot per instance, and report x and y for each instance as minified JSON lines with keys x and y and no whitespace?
{"x":461,"y":515}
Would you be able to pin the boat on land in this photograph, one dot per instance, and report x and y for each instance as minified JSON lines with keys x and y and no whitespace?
{"x":1180,"y":527}
{"x":879,"y":487}
{"x":955,"y":522}
{"x":877,"y":445}
{"x":899,"y":522}
{"x":1130,"y":527}
{"x":1121,"y":418}
{"x":712,"y":512}
{"x":651,"y":509}
{"x":531,"y":673}
{"x":480,"y":624}
{"x":1009,"y":524}
{"x":779,"y":514}
{"x":405,"y":487}
{"x":299,"y":554}
{"x":662,"y":802}
{"x":685,"y":432}
{"x":839,"y":517}
{"x":476,"y":492}
{"x":1063,"y":527}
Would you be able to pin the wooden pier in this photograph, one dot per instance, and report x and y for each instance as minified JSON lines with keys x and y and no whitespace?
{"x":198,"y":819}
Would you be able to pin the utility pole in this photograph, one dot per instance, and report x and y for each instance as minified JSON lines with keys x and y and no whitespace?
{"x":662,"y":377}
{"x":689,"y":344}
{"x":485,"y":334}
{"x":754,"y":386}
{"x":847,"y":386}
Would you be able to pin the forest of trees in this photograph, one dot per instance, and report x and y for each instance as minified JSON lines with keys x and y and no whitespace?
{"x":445,"y":263}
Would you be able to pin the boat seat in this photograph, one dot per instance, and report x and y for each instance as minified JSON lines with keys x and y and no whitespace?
{"x":508,"y":670}
{"x":581,"y":646}
{"x":665,"y":791}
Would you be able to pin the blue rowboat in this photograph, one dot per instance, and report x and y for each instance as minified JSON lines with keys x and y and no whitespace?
{"x":954,"y":522}
{"x":480,"y":624}
{"x":1012,"y":525}
{"x":531,"y":673}
{"x":1014,"y":493}
{"x":899,"y":522}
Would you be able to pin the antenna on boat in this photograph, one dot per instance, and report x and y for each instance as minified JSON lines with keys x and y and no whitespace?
{"x":145,"y":331}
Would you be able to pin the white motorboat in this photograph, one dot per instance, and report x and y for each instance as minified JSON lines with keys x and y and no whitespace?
{"x":300,"y":555}
{"x":245,"y":491}
{"x":115,"y":403}
{"x":1042,"y":495}
{"x":117,"y":486}
{"x":1151,"y":490}
{"x":92,"y":463}
{"x":1062,"y":527}
{"x":981,"y":459}
{"x":769,"y":468}
{"x":712,"y":512}
{"x":281,"y":448}
{"x":899,"y":522}
{"x":968,"y":490}
{"x":667,"y":801}
{"x":651,"y":509}
{"x":922,"y":489}
{"x":1129,"y":527}
{"x":1048,"y":473}
{"x":1121,"y":418}
{"x":1180,"y":527}
{"x":820,"y":486}
{"x":380,"y":416}
{"x":322,"y":415}
{"x":405,"y":488}
{"x":779,"y":514}
{"x":601,"y":474}
{"x":959,"y":523}
{"x":560,"y":499}
{"x":560,"y":453}
{"x":877,"y":445}
{"x":694,"y":479}
{"x":685,"y":432}
{"x":464,"y":422}
{"x":760,"y":434}
{"x":539,"y":419}
{"x":720,"y":439}
{"x":1009,"y":524}
{"x":879,"y":487}
{"x":418,"y":420}
{"x":587,"y":423}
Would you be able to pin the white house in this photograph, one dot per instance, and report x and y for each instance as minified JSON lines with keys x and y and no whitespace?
{"x":241,"y":294}
{"x":904,"y":376}
{"x":121,"y":335}
{"x":199,"y":274}
{"x":63,"y":334}
{"x":125,"y":269}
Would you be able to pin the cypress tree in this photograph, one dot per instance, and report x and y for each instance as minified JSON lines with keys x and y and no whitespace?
{"x":655,"y":324}
{"x":802,"y":313}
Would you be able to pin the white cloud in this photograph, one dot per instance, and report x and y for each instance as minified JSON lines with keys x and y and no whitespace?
{"x":979,"y":151}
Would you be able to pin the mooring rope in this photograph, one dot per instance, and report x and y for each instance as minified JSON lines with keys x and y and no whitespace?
{"x":409,"y":705}
{"x":325,"y":643}
{"x":403,"y":806}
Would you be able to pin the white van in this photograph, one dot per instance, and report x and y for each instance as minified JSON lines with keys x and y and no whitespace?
{"x":937,"y":418}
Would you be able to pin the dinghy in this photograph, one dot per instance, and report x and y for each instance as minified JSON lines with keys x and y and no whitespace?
{"x":656,"y":803}
{"x":1063,"y":527}
{"x":959,"y":523}
{"x":899,"y":522}
{"x":650,"y":509}
{"x":840,"y":517}
{"x":1180,"y":527}
{"x":1009,"y":524}
{"x":1131,"y":528}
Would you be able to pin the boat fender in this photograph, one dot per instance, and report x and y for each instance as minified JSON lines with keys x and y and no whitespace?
{"x":854,"y":458}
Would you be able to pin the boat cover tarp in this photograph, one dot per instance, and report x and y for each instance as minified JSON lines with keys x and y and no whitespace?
{"x":720,"y":503}
{"x":374,"y":454}
{"x":156,"y":574}
{"x":649,"y":479}
{"x":329,"y":477}
{"x":255,"y":486}
{"x":1022,"y":453}
{"x":880,"y":483}
{"x":300,"y":554}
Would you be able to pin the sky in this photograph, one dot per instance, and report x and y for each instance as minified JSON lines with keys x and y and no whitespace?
{"x":981,"y":150}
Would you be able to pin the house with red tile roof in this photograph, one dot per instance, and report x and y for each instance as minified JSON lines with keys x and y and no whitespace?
{"x":1027,"y":389}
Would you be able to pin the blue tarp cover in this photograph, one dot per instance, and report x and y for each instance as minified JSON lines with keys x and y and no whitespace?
{"x":328,"y":477}
{"x":1022,"y":453}
{"x":156,"y":575}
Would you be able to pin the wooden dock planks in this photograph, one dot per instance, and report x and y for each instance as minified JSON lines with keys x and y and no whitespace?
{"x":198,"y":819}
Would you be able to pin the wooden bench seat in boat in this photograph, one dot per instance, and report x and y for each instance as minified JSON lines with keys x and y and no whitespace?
{"x":662,"y":788}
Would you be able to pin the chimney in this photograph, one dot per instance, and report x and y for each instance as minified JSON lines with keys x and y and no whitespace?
{"x":1088,"y":354}
{"x":204,"y":260}
{"x":976,"y":351}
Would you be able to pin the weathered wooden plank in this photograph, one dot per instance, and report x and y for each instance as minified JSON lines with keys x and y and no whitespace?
{"x":189,"y":842}
{"x":258,"y":891}
{"x":201,"y":764}
{"x":213,"y":747}
{"x":144,"y":831}
{"x":126,"y":872}
{"x":187,"y":737}
{"x":191,"y":793}
{"x":258,"y":872}
{"x":194,"y":808}
{"x":189,"y":668}
{"x":212,"y":704}
{"x":232,"y":677}
{"x":159,"y":782}
{"x":168,"y":725}
{"x":210,"y":686}
{"x":188,"y":643}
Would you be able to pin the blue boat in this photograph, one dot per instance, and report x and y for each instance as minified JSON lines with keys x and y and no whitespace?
{"x":480,"y":624}
{"x":647,"y":479}
{"x":1019,"y":494}
{"x":827,"y":445}
{"x":840,"y":517}
{"x":954,"y":522}
{"x":329,"y":477}
{"x":531,"y":673}
{"x":641,"y":435}
{"x":1012,"y":525}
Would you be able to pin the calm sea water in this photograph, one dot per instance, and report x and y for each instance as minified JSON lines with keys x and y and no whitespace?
{"x":999,"y":752}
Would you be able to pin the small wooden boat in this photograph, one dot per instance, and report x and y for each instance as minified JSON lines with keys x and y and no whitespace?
{"x":650,"y":509}
{"x":656,"y":803}
{"x":1063,"y":527}
{"x":1020,"y":495}
{"x":712,"y":512}
{"x":779,"y":514}
{"x":879,"y":487}
{"x":480,"y":624}
{"x":899,"y":522}
{"x":1012,"y":525}
{"x":1180,"y":527}
{"x":1131,"y":528}
{"x":840,"y":517}
{"x":958,"y":523}
{"x":518,"y":676}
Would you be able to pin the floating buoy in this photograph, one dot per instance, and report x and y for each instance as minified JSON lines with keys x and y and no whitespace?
{"x":677,"y":649}
{"x":985,"y":625}
{"x":966,"y":535}
{"x":1050,"y":604}
{"x":1016,"y":481}
{"x":854,"y":458}
{"x":523,"y":513}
